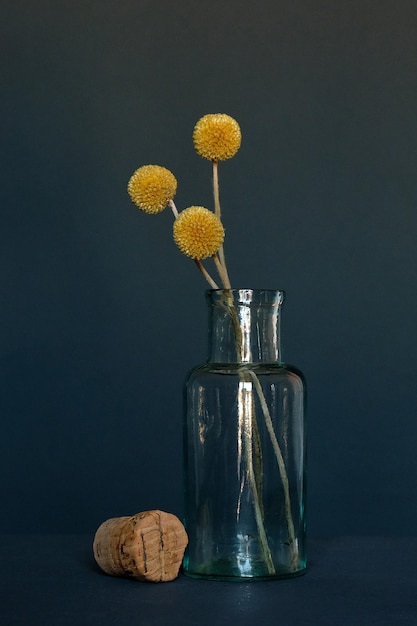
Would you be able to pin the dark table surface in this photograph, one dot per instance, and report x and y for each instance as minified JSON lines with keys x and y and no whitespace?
{"x":360,"y":581}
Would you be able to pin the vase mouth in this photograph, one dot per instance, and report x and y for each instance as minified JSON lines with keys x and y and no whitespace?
{"x":244,"y":296}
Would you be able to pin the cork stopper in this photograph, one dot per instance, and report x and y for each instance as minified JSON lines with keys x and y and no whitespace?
{"x":148,"y":546}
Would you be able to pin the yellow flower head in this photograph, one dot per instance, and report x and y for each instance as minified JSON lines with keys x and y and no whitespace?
{"x":198,"y":232}
{"x":152,"y":187}
{"x":217,"y":137}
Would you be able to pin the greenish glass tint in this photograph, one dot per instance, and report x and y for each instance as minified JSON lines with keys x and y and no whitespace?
{"x":245,"y":446}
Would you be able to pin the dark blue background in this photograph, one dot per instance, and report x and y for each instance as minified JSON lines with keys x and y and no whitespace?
{"x":101,"y":316}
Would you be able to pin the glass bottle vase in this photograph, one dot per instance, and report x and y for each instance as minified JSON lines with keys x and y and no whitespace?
{"x":244,"y":446}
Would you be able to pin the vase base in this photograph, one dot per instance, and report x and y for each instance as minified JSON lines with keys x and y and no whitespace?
{"x":225,"y":571}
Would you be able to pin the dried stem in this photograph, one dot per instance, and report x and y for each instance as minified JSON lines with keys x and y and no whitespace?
{"x":217,"y":209}
{"x":216,"y":192}
{"x":281,"y":465}
{"x":247,"y":416}
{"x":249,"y":427}
{"x":171,"y":203}
{"x":276,"y":447}
{"x":206,"y":275}
{"x":222,"y":271}
{"x":246,"y":404}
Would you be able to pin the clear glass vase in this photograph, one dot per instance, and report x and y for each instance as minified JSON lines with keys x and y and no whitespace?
{"x":245,"y":446}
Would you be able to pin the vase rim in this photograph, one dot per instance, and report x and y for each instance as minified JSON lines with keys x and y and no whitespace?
{"x":271,"y":297}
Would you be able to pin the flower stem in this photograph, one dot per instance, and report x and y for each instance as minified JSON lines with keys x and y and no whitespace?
{"x":206,"y":275}
{"x":217,"y":209}
{"x":249,"y":427}
{"x":222,"y":271}
{"x":216,"y":192}
{"x":174,"y":208}
{"x":281,"y":465}
{"x":248,"y":418}
{"x":277,"y":451}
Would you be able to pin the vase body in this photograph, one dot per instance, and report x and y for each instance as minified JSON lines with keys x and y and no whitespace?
{"x":244,"y":446}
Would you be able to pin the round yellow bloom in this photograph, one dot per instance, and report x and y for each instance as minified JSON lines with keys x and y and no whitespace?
{"x":217,"y":137}
{"x":198,"y":232}
{"x":151,"y":188}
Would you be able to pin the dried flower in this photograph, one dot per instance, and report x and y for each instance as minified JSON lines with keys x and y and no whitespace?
{"x":152,"y":187}
{"x":217,"y":137}
{"x":198,"y":232}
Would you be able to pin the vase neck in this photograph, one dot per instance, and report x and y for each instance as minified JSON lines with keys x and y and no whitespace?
{"x":244,"y":325}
